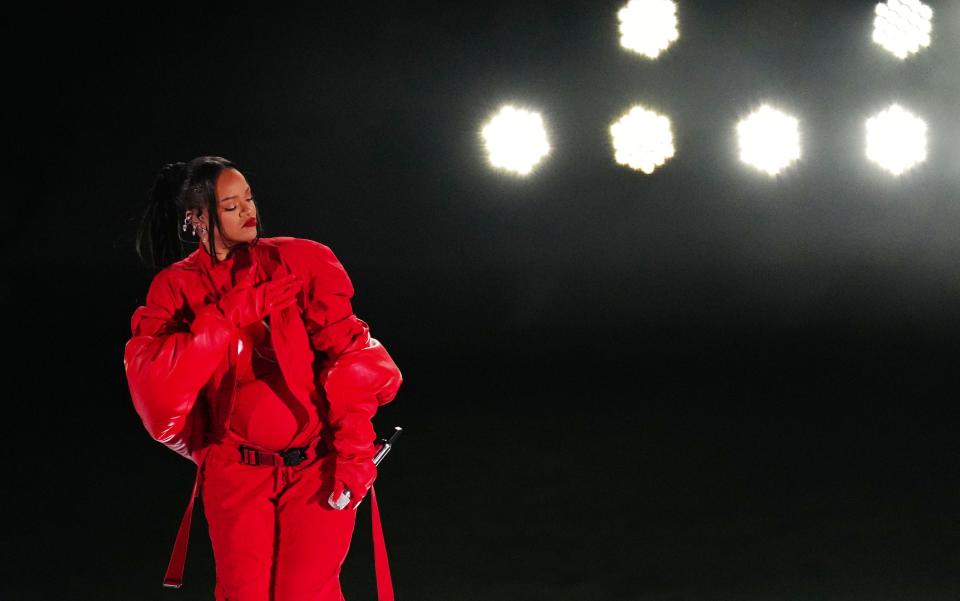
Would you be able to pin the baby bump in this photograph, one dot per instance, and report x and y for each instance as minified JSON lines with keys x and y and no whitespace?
{"x":262,"y":417}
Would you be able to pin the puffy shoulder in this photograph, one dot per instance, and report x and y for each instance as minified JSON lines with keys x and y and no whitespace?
{"x":305,"y":253}
{"x":162,"y":286}
{"x":290,"y":244}
{"x":158,"y":313}
{"x":315,"y":260}
{"x":174,"y":279}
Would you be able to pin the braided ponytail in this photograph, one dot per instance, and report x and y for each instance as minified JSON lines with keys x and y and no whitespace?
{"x":158,"y":240}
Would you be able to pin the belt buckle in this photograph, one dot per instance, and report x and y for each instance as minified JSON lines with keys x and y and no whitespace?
{"x":249,"y":455}
{"x":294,"y":456}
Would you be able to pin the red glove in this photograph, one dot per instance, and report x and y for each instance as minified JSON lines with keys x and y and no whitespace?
{"x":355,"y":476}
{"x":246,"y":304}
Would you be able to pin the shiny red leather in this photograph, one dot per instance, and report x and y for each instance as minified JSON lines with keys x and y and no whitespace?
{"x":181,"y":359}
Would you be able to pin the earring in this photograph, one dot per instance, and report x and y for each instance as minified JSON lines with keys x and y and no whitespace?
{"x":196,"y":225}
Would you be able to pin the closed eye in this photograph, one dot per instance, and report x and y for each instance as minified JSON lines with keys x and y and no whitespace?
{"x":235,"y":208}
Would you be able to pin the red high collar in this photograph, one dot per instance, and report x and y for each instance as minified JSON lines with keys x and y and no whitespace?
{"x":207,"y":260}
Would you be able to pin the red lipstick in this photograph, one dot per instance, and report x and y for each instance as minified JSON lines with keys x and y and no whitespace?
{"x":252,"y":222}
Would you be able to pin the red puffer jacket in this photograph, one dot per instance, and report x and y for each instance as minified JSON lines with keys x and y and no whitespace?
{"x":181,"y":360}
{"x":183,"y":351}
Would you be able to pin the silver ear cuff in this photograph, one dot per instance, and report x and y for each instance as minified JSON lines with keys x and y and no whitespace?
{"x":195,"y":224}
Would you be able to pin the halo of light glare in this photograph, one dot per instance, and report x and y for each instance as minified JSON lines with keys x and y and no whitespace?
{"x":515,"y":139}
{"x":642,"y":139}
{"x":896,"y":139}
{"x":769,"y":139}
{"x":648,"y":27}
{"x":902,"y":26}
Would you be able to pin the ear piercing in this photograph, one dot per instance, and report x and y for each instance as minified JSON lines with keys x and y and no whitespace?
{"x":196,"y":225}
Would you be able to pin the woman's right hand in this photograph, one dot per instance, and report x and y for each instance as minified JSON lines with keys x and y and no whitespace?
{"x":246,"y":304}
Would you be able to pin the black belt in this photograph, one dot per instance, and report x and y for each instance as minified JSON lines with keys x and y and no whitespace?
{"x":293,"y":456}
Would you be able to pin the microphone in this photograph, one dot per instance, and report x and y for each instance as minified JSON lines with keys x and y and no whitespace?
{"x":385,"y":446}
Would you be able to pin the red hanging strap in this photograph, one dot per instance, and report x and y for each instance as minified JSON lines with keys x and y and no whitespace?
{"x":174,"y":576}
{"x":384,"y":583}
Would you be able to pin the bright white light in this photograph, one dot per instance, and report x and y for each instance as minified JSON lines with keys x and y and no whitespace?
{"x":648,"y":27}
{"x":516,"y":140}
{"x":896,"y":139}
{"x":642,"y":139}
{"x":769,"y":140}
{"x":902,"y":26}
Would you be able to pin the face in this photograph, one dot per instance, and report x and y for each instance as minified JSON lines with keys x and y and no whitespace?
{"x":236,"y":211}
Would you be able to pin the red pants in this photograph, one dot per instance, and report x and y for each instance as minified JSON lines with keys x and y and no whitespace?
{"x":274,"y":536}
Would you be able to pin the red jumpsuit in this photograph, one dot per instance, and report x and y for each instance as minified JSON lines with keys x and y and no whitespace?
{"x":308,"y":375}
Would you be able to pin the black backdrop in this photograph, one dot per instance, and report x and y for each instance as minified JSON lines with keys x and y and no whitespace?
{"x":700,"y":384}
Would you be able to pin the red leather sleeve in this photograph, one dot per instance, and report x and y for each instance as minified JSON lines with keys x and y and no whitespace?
{"x":357,"y":374}
{"x":168,"y":362}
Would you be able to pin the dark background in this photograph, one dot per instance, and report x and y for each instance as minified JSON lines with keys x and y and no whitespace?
{"x":700,"y":384}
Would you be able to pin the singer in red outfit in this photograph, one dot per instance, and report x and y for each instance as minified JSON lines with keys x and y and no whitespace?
{"x":247,"y":359}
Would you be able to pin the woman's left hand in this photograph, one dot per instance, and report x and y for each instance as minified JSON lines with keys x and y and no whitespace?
{"x":352,"y":481}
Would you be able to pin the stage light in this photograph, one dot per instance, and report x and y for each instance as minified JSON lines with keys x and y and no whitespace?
{"x":896,"y":139}
{"x":769,"y":139}
{"x":648,"y":27}
{"x":642,"y":139}
{"x":902,"y":26}
{"x":516,"y":140}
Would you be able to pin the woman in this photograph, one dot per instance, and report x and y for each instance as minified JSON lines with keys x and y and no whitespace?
{"x":247,"y":359}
